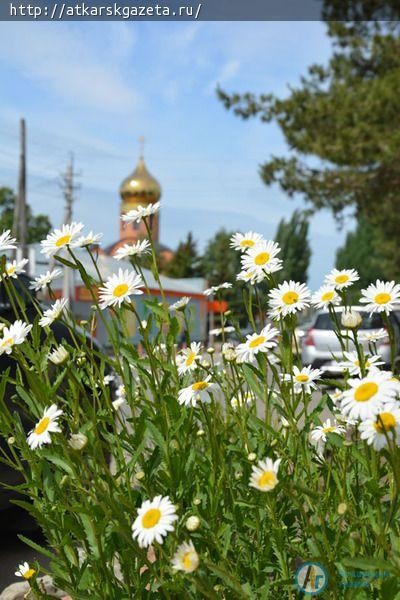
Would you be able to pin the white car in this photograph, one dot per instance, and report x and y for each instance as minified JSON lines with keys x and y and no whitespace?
{"x":321,"y":348}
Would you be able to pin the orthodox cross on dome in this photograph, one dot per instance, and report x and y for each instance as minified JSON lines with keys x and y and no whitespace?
{"x":141,"y":141}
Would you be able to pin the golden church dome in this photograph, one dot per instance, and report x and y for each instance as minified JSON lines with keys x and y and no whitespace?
{"x":140,"y":187}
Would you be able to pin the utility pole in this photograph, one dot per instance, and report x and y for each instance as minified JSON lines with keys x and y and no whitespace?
{"x":69,"y":188}
{"x":19,"y":222}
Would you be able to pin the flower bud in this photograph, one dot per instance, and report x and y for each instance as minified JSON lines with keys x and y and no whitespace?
{"x":11,"y":441}
{"x":210,"y":350}
{"x":192,"y":523}
{"x":77,"y":441}
{"x":351,"y":319}
{"x":196,"y":501}
{"x":252,"y":456}
{"x":342,"y":508}
{"x":200,"y":432}
{"x":140,"y":475}
{"x":58,"y":355}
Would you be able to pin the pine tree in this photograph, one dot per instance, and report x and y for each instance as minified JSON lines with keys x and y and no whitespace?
{"x":361,"y":251}
{"x":221,"y":263}
{"x":38,"y":226}
{"x":292,"y":237}
{"x":344,"y":117}
{"x":185,"y":262}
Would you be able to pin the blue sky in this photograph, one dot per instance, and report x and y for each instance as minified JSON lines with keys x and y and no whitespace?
{"x":94,"y":88}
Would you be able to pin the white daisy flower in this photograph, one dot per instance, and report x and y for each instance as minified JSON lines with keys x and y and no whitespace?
{"x":251,"y":277}
{"x":243,"y":241}
{"x":215,"y":288}
{"x":264,"y":475}
{"x":261,"y":258}
{"x":384,"y":425}
{"x":242,"y":400}
{"x":255,"y":343}
{"x":119,"y":287}
{"x":185,"y":558}
{"x":383,"y":296}
{"x":352,"y":363}
{"x":154,"y":520}
{"x":13,"y":335}
{"x":7,"y":242}
{"x":15,"y":267}
{"x":61,"y":238}
{"x":179,"y":304}
{"x":116,"y":404}
{"x":342,"y":278}
{"x":107,"y":379}
{"x":89,"y":239}
{"x":319,"y":433}
{"x":303,"y":379}
{"x":197,"y":392}
{"x":48,"y":424}
{"x":141,"y":212}
{"x":325,"y":296}
{"x":336,"y":397}
{"x":42,"y":281}
{"x":25,"y":571}
{"x":220,"y":330}
{"x":58,"y":355}
{"x":366,"y":396}
{"x":288,"y":298}
{"x":187,"y":360}
{"x":137,"y":249}
{"x":374,"y":336}
{"x":54,"y":312}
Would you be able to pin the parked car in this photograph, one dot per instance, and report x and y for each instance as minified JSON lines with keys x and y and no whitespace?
{"x":321,"y":348}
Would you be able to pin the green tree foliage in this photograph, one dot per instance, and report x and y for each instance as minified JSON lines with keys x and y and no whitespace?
{"x":185,"y":262}
{"x":341,"y":123}
{"x":38,"y":226}
{"x":292,"y":237}
{"x":361,"y":251}
{"x":221,"y":263}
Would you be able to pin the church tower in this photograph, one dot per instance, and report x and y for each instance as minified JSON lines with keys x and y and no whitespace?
{"x":139,"y":188}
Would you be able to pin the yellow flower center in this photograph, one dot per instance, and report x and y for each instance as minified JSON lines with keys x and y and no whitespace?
{"x":42,"y":425}
{"x":328,"y":429}
{"x":63,"y":240}
{"x":199,"y":385}
{"x":247,"y":243}
{"x":257,"y":341}
{"x":11,"y":270}
{"x":327,"y":296}
{"x":151,"y":518}
{"x":290,"y":297}
{"x":7,"y":342}
{"x":120,"y":290}
{"x":267,"y":479}
{"x":28,"y":574}
{"x":366,"y":391}
{"x":341,"y":278}
{"x":302,"y":378}
{"x":261,"y":259}
{"x":382,"y":298}
{"x":385,"y":422}
{"x":187,"y":560}
{"x":190,"y":359}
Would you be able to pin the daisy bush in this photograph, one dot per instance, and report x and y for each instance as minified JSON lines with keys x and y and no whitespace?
{"x":202,"y":471}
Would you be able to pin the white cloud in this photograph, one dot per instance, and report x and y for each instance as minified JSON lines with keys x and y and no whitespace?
{"x":61,"y":58}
